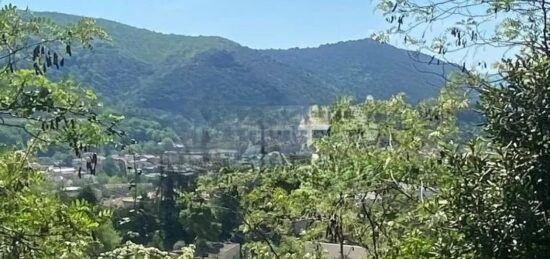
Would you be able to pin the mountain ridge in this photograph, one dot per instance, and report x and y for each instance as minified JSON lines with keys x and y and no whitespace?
{"x":142,"y":70}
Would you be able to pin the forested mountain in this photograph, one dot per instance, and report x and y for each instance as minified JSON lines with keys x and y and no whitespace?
{"x":366,"y":67}
{"x":185,"y":75}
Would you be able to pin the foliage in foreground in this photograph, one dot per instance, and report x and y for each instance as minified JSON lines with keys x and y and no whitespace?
{"x":378,"y":176}
{"x":499,"y":198}
{"x":397,"y":180}
{"x":133,"y":251}
{"x":35,"y":223}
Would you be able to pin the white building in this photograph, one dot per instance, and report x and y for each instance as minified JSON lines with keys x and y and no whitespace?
{"x":316,"y":124}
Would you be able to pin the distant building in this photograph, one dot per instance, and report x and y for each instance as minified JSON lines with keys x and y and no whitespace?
{"x":72,"y":191}
{"x":252,"y":151}
{"x":179,"y":146}
{"x":62,"y":170}
{"x":225,"y":251}
{"x":228,"y":251}
{"x":62,"y":174}
{"x":224,"y":153}
{"x":315,"y":124}
{"x":115,"y":190}
{"x":369,"y":98}
{"x":333,"y":251}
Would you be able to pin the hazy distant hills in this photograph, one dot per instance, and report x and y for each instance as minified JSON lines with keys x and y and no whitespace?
{"x":364,"y":67}
{"x":148,"y":71}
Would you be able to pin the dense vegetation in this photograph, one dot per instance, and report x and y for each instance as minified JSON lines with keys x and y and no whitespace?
{"x":398,"y":179}
{"x":183,"y":81}
{"x":173,"y":86}
{"x":35,"y":223}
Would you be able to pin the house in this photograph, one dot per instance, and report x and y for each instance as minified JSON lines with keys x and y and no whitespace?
{"x":224,"y":153}
{"x":179,"y":146}
{"x":334,"y":251}
{"x":228,"y":251}
{"x":225,"y":251}
{"x":60,"y":174}
{"x":71,"y":191}
{"x":315,"y":124}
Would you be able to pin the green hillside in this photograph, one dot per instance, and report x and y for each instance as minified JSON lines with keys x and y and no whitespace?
{"x":366,"y":67}
{"x":183,"y":80}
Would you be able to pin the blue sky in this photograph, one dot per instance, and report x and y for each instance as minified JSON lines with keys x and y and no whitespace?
{"x":254,"y":23}
{"x":257,"y":24}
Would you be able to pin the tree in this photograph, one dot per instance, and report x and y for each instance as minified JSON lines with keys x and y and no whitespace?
{"x":151,"y":147}
{"x":34,"y":222}
{"x":199,"y":221}
{"x":375,"y":183}
{"x":466,"y":26}
{"x":107,"y":236}
{"x":109,"y":167}
{"x":498,"y":202}
{"x":88,"y":194}
{"x":65,"y":159}
{"x":137,"y":225}
{"x":167,"y":144}
{"x":131,"y":250}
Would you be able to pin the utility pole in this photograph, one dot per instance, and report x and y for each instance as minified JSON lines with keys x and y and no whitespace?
{"x":134,"y":182}
{"x":262,"y":144}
